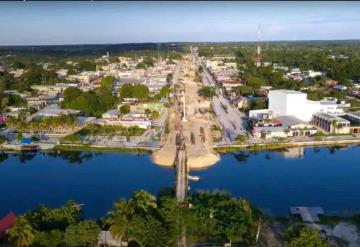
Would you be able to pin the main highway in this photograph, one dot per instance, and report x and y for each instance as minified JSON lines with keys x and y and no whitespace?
{"x":231,"y":119}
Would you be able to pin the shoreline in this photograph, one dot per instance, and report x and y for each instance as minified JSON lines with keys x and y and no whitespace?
{"x":87,"y":148}
{"x":280,"y":145}
{"x":217,"y":148}
{"x":84,"y":148}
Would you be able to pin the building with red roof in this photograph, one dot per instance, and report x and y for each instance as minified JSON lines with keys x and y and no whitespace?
{"x":6,"y":223}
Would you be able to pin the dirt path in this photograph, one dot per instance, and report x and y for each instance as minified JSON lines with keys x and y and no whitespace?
{"x":197,"y":128}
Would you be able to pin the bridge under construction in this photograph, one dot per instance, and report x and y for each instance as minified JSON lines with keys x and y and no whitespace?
{"x":181,"y":169}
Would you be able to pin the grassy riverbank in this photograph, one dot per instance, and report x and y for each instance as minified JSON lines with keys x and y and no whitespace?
{"x":277,"y":146}
{"x":87,"y":148}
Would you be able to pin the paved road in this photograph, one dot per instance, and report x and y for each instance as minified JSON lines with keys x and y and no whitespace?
{"x":231,"y":119}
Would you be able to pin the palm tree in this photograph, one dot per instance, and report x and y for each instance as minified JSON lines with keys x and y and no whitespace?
{"x":119,"y":220}
{"x":22,"y":232}
{"x":143,"y":201}
{"x":333,"y":125}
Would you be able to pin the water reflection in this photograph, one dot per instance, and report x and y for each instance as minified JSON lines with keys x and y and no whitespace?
{"x":24,"y":156}
{"x":288,"y":153}
{"x":78,"y":157}
{"x":267,"y":156}
{"x":294,"y":153}
{"x":266,"y":178}
{"x":333,"y":149}
{"x":3,"y":157}
{"x":241,"y":156}
{"x":73,"y":157}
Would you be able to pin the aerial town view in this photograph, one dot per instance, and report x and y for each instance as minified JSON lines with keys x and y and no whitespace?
{"x":179,"y":124}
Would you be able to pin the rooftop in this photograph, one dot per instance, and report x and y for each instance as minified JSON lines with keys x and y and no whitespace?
{"x":287,"y":121}
{"x":7,"y":222}
{"x":354,"y":114}
{"x":331,"y":117}
{"x":286,"y":91}
{"x":112,"y":112}
{"x":307,"y":214}
{"x":269,"y":129}
{"x":51,"y":111}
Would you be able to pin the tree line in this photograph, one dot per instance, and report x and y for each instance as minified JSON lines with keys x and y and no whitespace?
{"x":146,"y":220}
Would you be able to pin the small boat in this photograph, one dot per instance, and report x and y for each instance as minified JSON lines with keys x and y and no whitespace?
{"x":193,"y":178}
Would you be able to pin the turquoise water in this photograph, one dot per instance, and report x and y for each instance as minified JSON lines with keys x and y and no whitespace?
{"x":272,"y":181}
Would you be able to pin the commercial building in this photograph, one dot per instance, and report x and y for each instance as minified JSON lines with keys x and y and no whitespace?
{"x":331,"y":123}
{"x":113,"y":117}
{"x":295,"y":103}
{"x":348,"y":123}
{"x":354,"y":119}
{"x":281,"y":127}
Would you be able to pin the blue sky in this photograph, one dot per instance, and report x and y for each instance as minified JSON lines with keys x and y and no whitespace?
{"x":41,"y":23}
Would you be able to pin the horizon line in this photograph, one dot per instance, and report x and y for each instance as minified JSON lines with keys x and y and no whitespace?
{"x":177,"y":42}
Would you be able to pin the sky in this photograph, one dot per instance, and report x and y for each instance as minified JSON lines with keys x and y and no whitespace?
{"x":57,"y":23}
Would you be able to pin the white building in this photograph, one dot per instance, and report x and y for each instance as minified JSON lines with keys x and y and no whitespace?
{"x":295,"y":103}
{"x":312,"y":73}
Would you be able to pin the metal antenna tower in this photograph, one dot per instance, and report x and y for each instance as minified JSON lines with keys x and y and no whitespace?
{"x":158,"y":46}
{"x":258,"y":52}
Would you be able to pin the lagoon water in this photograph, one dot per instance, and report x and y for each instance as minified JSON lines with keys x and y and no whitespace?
{"x":271,"y":180}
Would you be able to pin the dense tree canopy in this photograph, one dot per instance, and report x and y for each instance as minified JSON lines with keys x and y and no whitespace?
{"x":108,"y":82}
{"x":11,"y":100}
{"x":144,"y":220}
{"x":53,"y":238}
{"x":138,"y":91}
{"x":6,"y":81}
{"x":84,"y":233}
{"x":304,"y":237}
{"x":91,"y":103}
{"x":86,"y":66}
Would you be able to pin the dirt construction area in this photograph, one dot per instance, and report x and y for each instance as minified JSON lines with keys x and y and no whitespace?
{"x":197,"y":127}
